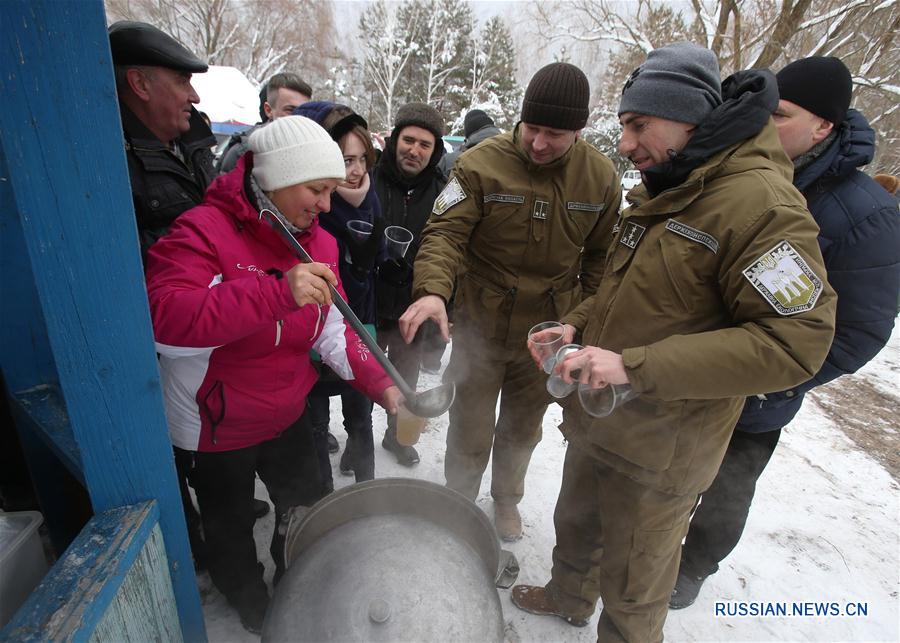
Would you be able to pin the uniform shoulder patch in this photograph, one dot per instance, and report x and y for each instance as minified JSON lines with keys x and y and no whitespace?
{"x":784,"y":278}
{"x":449,"y":196}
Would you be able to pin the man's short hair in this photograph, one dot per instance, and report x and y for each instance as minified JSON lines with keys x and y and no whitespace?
{"x":286,"y":80}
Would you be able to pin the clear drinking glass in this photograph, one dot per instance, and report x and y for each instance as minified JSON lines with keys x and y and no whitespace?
{"x":398,"y":239}
{"x":556,"y":385}
{"x":600,"y":402}
{"x":547,"y":338}
{"x":409,"y":426}
{"x":360,"y":230}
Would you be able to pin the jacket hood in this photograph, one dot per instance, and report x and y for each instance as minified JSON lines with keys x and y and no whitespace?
{"x":478,"y":136}
{"x":315,"y":110}
{"x":853,"y":147}
{"x":748,"y":100}
{"x":231,"y":193}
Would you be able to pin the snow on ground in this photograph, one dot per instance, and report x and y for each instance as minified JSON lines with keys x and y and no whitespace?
{"x":825,"y":526}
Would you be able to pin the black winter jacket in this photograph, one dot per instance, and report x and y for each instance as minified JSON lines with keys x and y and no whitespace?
{"x":162,"y":186}
{"x":860,"y":242}
{"x":404,"y":202}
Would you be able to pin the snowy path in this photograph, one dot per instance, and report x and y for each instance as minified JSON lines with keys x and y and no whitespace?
{"x":825,"y":526}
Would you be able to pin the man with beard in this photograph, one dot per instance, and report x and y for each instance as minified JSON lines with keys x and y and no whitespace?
{"x":407,"y":181}
{"x":860,"y":240}
{"x":714,"y":290}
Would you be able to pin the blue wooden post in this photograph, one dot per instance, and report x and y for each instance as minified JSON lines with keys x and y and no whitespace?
{"x":67,"y":186}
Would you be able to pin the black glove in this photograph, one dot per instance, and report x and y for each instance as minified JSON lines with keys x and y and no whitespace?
{"x":363,"y":254}
{"x":396,"y":272}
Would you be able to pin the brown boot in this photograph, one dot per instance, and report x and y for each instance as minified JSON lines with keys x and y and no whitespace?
{"x":537,"y":600}
{"x":508,"y":522}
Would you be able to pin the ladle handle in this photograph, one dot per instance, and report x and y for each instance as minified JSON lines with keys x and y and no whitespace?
{"x":342,"y":306}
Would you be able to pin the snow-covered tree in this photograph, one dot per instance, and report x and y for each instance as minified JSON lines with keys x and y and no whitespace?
{"x":492,"y":75}
{"x":259,"y":38}
{"x":390,"y":39}
{"x":862,"y":33}
{"x":437,"y":72}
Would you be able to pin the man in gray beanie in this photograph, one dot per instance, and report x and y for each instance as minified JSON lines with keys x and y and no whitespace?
{"x":714,"y":290}
{"x":525,"y":221}
{"x":860,"y":240}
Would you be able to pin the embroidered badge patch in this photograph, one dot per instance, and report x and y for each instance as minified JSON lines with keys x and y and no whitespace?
{"x":504,"y":198}
{"x":584,"y":207}
{"x":541,"y":210}
{"x":786,"y":281}
{"x":631,"y":234}
{"x":449,"y":196}
{"x":693,"y":234}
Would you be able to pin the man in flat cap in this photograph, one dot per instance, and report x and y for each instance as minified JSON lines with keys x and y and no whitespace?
{"x":525,"y":220}
{"x":167,"y":143}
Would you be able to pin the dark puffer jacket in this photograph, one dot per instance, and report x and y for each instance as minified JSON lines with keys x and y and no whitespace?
{"x":162,"y":185}
{"x":860,"y":242}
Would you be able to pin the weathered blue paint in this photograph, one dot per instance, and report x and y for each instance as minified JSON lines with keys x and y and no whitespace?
{"x":83,"y":590}
{"x":65,"y":166}
{"x":44,"y":407}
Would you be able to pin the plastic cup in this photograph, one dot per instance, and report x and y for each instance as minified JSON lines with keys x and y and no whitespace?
{"x":547,"y":338}
{"x":409,"y":426}
{"x":360,"y":230}
{"x":601,"y":402}
{"x":398,"y":239}
{"x":556,"y":385}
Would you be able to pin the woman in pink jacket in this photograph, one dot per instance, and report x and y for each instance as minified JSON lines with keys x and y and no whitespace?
{"x":235,"y":317}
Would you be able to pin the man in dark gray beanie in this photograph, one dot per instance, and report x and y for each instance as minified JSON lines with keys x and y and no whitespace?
{"x":860,"y":240}
{"x":525,"y":220}
{"x":714,"y":290}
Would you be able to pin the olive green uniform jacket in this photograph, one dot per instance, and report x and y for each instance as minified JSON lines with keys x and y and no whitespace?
{"x":526,"y":240}
{"x":692,"y":299}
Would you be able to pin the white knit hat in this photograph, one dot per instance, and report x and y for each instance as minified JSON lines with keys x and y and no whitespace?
{"x":292,"y":150}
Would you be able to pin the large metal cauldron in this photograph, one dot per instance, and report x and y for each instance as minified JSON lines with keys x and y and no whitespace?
{"x":393,"y":560}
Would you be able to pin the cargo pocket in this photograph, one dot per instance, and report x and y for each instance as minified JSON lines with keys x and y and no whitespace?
{"x":652,"y":552}
{"x":483,"y":305}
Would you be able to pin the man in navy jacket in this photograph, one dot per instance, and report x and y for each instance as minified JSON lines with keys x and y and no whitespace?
{"x":860,"y":242}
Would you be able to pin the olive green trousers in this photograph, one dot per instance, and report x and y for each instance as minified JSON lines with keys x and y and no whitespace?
{"x":617,"y":541}
{"x":482,"y":371}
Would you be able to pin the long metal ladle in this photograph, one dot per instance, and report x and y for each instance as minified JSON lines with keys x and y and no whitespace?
{"x":427,"y":404}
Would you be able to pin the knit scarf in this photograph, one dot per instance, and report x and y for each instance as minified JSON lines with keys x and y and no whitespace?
{"x":263,"y":202}
{"x":355,"y":196}
{"x":814,"y":152}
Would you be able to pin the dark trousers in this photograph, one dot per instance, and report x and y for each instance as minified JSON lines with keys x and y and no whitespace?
{"x":224,"y":483}
{"x":184,"y":462}
{"x":357,"y":411}
{"x":719,"y":521}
